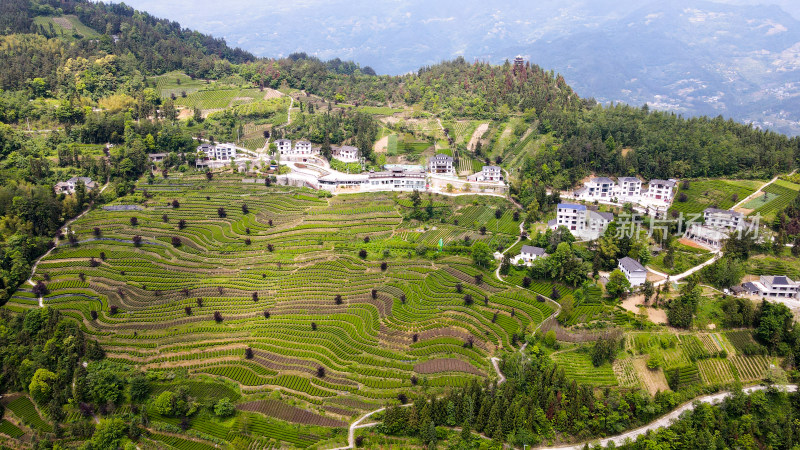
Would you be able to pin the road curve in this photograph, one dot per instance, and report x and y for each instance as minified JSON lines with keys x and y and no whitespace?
{"x":663,"y":421}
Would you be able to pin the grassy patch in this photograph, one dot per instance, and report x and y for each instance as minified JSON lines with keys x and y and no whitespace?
{"x":703,"y":194}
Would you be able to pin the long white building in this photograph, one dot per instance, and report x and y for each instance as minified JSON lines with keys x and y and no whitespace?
{"x":583,"y":223}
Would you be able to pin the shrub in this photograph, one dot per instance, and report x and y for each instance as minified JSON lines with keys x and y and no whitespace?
{"x":414,"y":380}
{"x":248,"y":353}
{"x":200,"y":301}
{"x":468,"y":300}
{"x":176,"y":241}
{"x":245,"y":209}
{"x":270,"y":248}
{"x":113,"y":309}
{"x":103,"y":256}
{"x":221,"y":212}
{"x":338,"y":299}
{"x":181,"y":224}
{"x":224,"y":407}
{"x":526,"y":282}
{"x":247,"y":241}
{"x":137,"y":240}
{"x":479,"y":278}
{"x":415,"y":337}
{"x":188,"y":310}
{"x":555,"y":295}
{"x":93,"y":313}
{"x":403,"y":298}
{"x":165,"y":218}
{"x":494,"y":317}
{"x":255,"y":296}
{"x":96,"y":231}
{"x":374,"y":293}
{"x":93,"y":262}
{"x":266,"y":314}
{"x":134,"y":221}
{"x":366,"y":239}
{"x":384,"y":266}
{"x":469,"y":342}
{"x":459,"y":287}
{"x":403,"y":398}
{"x":175,"y":204}
{"x":321,"y":372}
{"x":362,"y":253}
{"x":314,"y":326}
{"x":217,"y":316}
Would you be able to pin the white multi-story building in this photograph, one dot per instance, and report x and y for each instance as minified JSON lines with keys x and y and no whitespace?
{"x":396,"y":179}
{"x":303,"y":148}
{"x":628,"y":188}
{"x":660,"y":190}
{"x":489,"y":174}
{"x":600,"y":188}
{"x":284,"y":146}
{"x":634,"y":271}
{"x":774,"y":287}
{"x":723,"y":219}
{"x":345,"y":153}
{"x":581,"y":222}
{"x":218,"y":152}
{"x":441,"y":164}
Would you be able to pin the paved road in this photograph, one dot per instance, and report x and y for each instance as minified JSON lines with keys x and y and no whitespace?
{"x":683,"y":275}
{"x":662,"y":422}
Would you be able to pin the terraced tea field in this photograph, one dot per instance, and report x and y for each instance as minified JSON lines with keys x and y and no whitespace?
{"x":702,"y":194}
{"x":277,"y":270}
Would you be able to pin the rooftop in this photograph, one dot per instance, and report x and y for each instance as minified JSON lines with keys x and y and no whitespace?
{"x":571,"y":206}
{"x":530,"y":249}
{"x":722,"y":211}
{"x":662,"y":182}
{"x":779,"y":280}
{"x":630,"y":179}
{"x":602,"y":180}
{"x":631,"y":265}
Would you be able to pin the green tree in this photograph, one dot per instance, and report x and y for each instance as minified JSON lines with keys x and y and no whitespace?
{"x":224,"y":408}
{"x":481,"y":255}
{"x":165,"y":403}
{"x":109,"y":433}
{"x":41,"y":386}
{"x":617,"y":284}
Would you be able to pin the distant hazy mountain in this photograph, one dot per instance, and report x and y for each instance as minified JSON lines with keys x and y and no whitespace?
{"x":734,"y":58}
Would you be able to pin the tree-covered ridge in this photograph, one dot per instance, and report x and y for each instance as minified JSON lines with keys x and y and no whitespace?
{"x":152,"y":45}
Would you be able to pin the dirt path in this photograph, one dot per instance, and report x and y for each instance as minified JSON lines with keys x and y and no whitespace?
{"x":476,"y":136}
{"x":754,"y":194}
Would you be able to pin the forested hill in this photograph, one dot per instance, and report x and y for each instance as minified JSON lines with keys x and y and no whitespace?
{"x":41,"y":35}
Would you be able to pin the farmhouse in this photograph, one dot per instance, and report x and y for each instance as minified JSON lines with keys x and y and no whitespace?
{"x":345,"y":153}
{"x":600,"y":188}
{"x":490,"y":174}
{"x":530,"y":253}
{"x":633,"y":270}
{"x":303,"y":148}
{"x":775,"y":287}
{"x":68,"y":187}
{"x":710,"y":237}
{"x":723,"y":219}
{"x":628,"y":189}
{"x":157,"y":157}
{"x":441,"y":164}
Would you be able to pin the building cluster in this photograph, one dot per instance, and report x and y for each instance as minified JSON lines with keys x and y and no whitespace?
{"x":393,"y":179}
{"x":300,"y":148}
{"x":772,"y":287}
{"x":627,"y":190}
{"x":68,"y":187}
{"x":584,"y":223}
{"x":216,"y":152}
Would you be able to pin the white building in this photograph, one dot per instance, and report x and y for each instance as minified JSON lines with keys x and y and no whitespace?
{"x":68,"y":187}
{"x":345,"y":153}
{"x":660,"y":190}
{"x":601,"y":188}
{"x":633,"y":270}
{"x":218,"y":152}
{"x":490,"y":174}
{"x":707,"y":236}
{"x":582,"y":223}
{"x":529,"y":253}
{"x":628,"y":189}
{"x":284,"y":146}
{"x":723,"y":219}
{"x":441,"y":164}
{"x":775,"y":287}
{"x":303,"y":148}
{"x":396,"y":179}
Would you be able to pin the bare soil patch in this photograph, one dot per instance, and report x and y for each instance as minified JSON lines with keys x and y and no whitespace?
{"x":272,"y":93}
{"x":476,"y":136}
{"x":185,"y":114}
{"x":626,"y":150}
{"x":280,"y":410}
{"x":63,"y":22}
{"x":654,"y":315}
{"x":691,"y":243}
{"x":654,"y":380}
{"x":651,"y":276}
{"x":381,"y":145}
{"x":446,"y":365}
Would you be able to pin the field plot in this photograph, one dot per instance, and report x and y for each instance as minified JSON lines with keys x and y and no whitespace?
{"x":198,"y":305}
{"x":776,"y":197}
{"x":740,"y":339}
{"x":23,"y":408}
{"x":578,"y":366}
{"x":280,"y":410}
{"x":750,"y":368}
{"x":9,"y":429}
{"x":715,"y":371}
{"x":625,"y":371}
{"x":652,"y":380}
{"x":703,"y":194}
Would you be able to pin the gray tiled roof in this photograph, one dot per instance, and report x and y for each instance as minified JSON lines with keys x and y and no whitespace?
{"x":631,"y":265}
{"x":530,"y":249}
